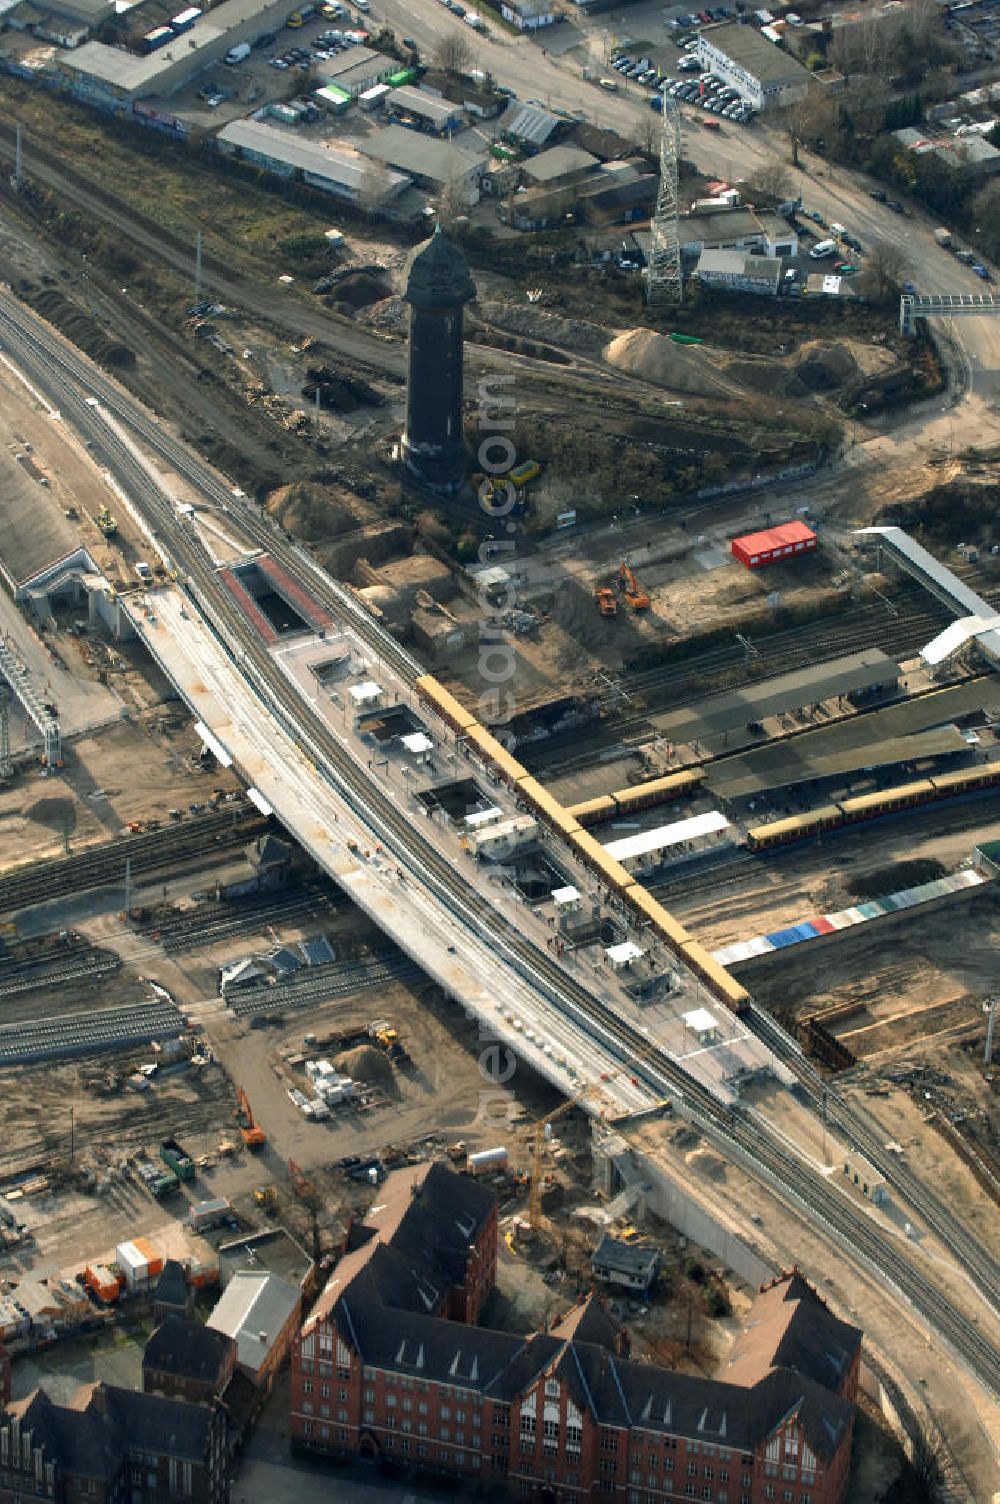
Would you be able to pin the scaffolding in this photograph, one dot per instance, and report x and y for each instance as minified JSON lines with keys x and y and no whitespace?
{"x":17,"y":677}
{"x":663,"y":274}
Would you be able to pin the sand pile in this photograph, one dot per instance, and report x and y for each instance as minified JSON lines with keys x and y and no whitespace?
{"x":654,"y":357}
{"x":366,"y":1063}
{"x":825,"y":366}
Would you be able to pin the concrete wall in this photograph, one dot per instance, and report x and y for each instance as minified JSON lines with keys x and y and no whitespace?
{"x":617,"y":1164}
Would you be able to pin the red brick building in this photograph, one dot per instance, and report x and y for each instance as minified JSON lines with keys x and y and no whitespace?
{"x":112,"y":1446}
{"x":383,"y":1369}
{"x":186,"y":1360}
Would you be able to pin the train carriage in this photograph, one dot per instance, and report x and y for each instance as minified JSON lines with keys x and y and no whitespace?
{"x":593,"y":811}
{"x":666,"y":926}
{"x":966,"y":780}
{"x":884,"y":801}
{"x":658,"y":790}
{"x":716,"y":977}
{"x":596,"y":858}
{"x":495,"y":754}
{"x":794,"y":828}
{"x":434,"y":694}
{"x":542,"y":802}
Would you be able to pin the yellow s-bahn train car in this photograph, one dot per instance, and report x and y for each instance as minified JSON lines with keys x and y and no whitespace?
{"x":795,"y":828}
{"x":658,"y":790}
{"x":542,"y":802}
{"x":593,"y":854}
{"x":884,"y":801}
{"x":663,"y":922}
{"x":434,"y":694}
{"x":966,"y":780}
{"x":716,"y":977}
{"x":593,"y":811}
{"x":495,"y":754}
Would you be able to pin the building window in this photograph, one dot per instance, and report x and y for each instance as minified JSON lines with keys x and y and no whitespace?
{"x":422,"y":1407}
{"x":709,"y":1471}
{"x":459,"y":1416}
{"x":369,"y":1396}
{"x":789,"y":1472}
{"x":422,"y":1428}
{"x":445,"y":1433}
{"x":369,"y":1417}
{"x":342,"y":1415}
{"x":445,"y":1412}
{"x":405,"y":1444}
{"x":307,"y":1387}
{"x":421,"y":1449}
{"x":407,"y":1403}
{"x":390,"y":1401}
{"x":307,"y":1407}
{"x":692,"y":1469}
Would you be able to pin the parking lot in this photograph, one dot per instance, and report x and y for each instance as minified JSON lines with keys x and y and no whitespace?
{"x":681,"y":77}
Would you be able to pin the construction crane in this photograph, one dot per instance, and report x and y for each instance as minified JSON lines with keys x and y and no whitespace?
{"x":637,"y":598}
{"x":535,"y":1191}
{"x":251,"y":1132}
{"x":605,"y":598}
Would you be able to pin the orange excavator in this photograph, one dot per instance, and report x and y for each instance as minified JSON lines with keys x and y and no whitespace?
{"x":637,"y":598}
{"x":606,"y":603}
{"x":251,"y":1132}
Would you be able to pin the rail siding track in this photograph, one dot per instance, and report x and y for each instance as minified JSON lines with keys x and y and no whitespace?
{"x":46,"y":358}
{"x":334,"y":982}
{"x":87,"y":1033}
{"x":96,"y":866}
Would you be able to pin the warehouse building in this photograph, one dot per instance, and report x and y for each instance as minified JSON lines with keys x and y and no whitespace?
{"x":433,"y":165}
{"x":723,"y":230}
{"x":65,"y":22}
{"x":766,"y":76}
{"x":423,"y":111}
{"x":528,"y":15}
{"x":337,"y":170}
{"x":111,"y":78}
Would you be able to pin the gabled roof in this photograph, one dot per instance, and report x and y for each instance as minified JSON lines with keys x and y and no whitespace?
{"x":73,"y":1440}
{"x":626,"y":1258}
{"x":172,"y":1286}
{"x":790,"y":1326}
{"x":417,"y":1239}
{"x":587,"y":1321}
{"x":92,"y":1436}
{"x":187,"y":1349}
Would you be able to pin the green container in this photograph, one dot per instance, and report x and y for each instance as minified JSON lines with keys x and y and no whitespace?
{"x":686,"y":339}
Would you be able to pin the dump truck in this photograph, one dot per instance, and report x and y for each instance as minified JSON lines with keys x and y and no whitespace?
{"x":383,"y":1034}
{"x":158,"y":1181}
{"x":943,"y":237}
{"x":177,"y":1159}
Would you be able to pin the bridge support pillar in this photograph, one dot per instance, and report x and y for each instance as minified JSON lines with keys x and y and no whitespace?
{"x":907,"y":323}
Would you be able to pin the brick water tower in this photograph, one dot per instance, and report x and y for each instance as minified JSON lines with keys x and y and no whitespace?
{"x":438,"y":285}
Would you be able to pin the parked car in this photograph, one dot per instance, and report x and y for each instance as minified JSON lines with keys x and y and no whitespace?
{"x":982,"y":271}
{"x":854,"y":244}
{"x":895,"y":206}
{"x":877,"y":195}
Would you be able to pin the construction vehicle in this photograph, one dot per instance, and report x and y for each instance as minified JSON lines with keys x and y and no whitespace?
{"x":637,"y":598}
{"x":303,"y":1187}
{"x":606,"y":603}
{"x":107,"y":524}
{"x":251,"y":1132}
{"x":177,"y":1159}
{"x":384,"y":1035}
{"x":266,"y":1197}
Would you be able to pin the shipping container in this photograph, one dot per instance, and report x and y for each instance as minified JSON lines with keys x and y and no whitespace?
{"x":205,"y":1214}
{"x":177,"y":1159}
{"x":522,"y":474}
{"x":488,"y":1161}
{"x":402,"y":78}
{"x":374,"y":98}
{"x":186,"y":19}
{"x":156,"y":38}
{"x":133,"y":1264}
{"x":154,"y":1259}
{"x":100,"y":1280}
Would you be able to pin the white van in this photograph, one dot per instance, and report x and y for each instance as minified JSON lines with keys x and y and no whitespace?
{"x":237,"y":54}
{"x":824,"y":248}
{"x":838,"y":230}
{"x":611,"y":84}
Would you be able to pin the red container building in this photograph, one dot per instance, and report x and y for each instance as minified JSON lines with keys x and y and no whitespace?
{"x":774,"y":543}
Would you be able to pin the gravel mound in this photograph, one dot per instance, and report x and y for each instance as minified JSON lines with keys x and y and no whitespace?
{"x":366,"y":1063}
{"x":654,"y":357}
{"x":824,"y":366}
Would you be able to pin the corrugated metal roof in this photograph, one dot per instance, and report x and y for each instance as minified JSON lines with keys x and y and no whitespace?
{"x":254,"y":1310}
{"x":665,"y":836}
{"x":939,"y":574}
{"x":529,"y":123}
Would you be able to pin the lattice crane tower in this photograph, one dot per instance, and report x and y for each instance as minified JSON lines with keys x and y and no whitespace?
{"x":663,"y":274}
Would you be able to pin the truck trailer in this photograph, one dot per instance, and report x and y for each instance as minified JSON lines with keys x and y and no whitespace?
{"x":177,"y":1159}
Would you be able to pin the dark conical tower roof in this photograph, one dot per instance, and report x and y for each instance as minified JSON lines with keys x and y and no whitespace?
{"x":437,"y":275}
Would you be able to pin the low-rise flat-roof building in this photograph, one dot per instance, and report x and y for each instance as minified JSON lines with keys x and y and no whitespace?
{"x":559,"y":166}
{"x":627,"y":1265}
{"x":428,"y":111}
{"x":114,"y":79}
{"x":528,"y":15}
{"x":337,"y":170}
{"x":357,"y":70}
{"x":766,"y":75}
{"x":721,"y":230}
{"x":735,"y":271}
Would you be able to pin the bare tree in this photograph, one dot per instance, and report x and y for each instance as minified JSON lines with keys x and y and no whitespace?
{"x":986,"y":209}
{"x":452,"y":200}
{"x":925,"y":1455}
{"x":885,"y":270}
{"x":373,"y":188}
{"x":453,"y":53}
{"x":770,"y":182}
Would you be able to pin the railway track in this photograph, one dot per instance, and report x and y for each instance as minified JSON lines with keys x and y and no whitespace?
{"x":147,"y":851}
{"x":104,"y":964}
{"x":190,"y":932}
{"x":335,"y":982}
{"x":86,"y":1033}
{"x":45,"y":358}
